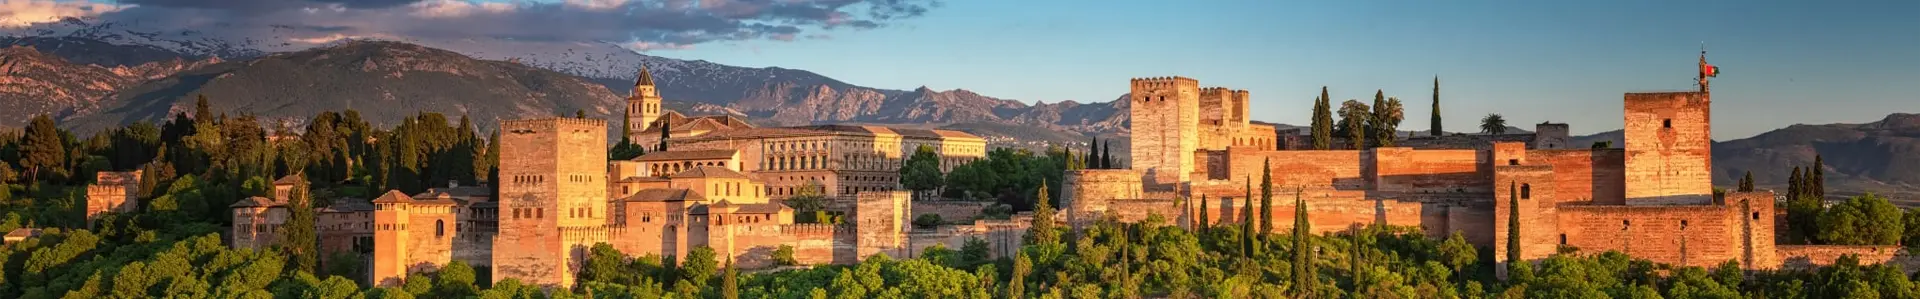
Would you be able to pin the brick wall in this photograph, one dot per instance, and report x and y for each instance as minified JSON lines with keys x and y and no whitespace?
{"x":1087,"y":193}
{"x":1400,"y":169}
{"x":1806,"y":257}
{"x":1668,"y":148}
{"x":1585,"y":175}
{"x":1681,"y":235}
{"x":950,"y":211}
{"x":1164,"y":121}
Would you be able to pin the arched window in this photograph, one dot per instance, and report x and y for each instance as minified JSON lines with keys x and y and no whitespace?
{"x":439,"y":228}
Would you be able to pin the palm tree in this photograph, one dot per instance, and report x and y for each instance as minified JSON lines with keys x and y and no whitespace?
{"x":1493,"y":124}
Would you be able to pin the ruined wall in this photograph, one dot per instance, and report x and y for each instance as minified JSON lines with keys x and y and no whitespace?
{"x":1585,"y":175}
{"x":1164,"y":121}
{"x":1400,"y":169}
{"x":1807,"y":257}
{"x":1003,"y":237}
{"x":1668,"y":148}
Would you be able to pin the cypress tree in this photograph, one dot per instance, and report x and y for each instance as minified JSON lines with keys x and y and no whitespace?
{"x":1266,"y":199}
{"x":1794,"y":184}
{"x":202,"y":113}
{"x":1436,"y":107}
{"x":1513,"y":223}
{"x":1746,"y":182}
{"x":1322,"y":121}
{"x":1204,"y":223}
{"x":1819,"y":181}
{"x":297,"y":234}
{"x":1246,"y":225}
{"x":1043,"y":231}
{"x":1302,"y":266}
{"x":664,"y":128}
{"x":1022,"y":266}
{"x":729,"y":283}
{"x":1093,"y":150}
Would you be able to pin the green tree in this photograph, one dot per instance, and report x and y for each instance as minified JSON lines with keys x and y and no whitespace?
{"x":1795,"y":184}
{"x":1022,"y":266}
{"x":456,"y":280}
{"x":1604,"y":144}
{"x":582,"y":113}
{"x":665,"y":128}
{"x":1247,"y":234}
{"x":729,"y":282}
{"x":1302,"y":262}
{"x":1205,"y":223}
{"x":1746,"y":182}
{"x":783,"y":256}
{"x":42,"y":150}
{"x":1818,"y":181}
{"x":1493,"y":124}
{"x":699,"y":267}
{"x":1458,"y":254}
{"x":1266,"y":199}
{"x":1436,"y":108}
{"x":1043,"y":231}
{"x":1354,"y":117}
{"x":921,"y":172}
{"x":1387,"y":114}
{"x":297,"y":233}
{"x":1322,"y":121}
{"x":1513,"y":223}
{"x":625,"y":150}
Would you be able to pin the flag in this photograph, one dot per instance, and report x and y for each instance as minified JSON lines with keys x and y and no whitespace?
{"x":1711,"y":71}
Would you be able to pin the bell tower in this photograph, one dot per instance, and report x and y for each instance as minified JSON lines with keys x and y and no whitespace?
{"x":643,"y":105}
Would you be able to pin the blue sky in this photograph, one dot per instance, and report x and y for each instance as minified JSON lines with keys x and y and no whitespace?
{"x":1784,"y":62}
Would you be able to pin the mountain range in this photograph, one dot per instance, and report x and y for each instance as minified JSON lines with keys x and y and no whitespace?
{"x":96,"y":76}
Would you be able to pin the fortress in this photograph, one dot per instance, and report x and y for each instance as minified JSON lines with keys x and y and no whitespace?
{"x":719,"y":183}
{"x":1654,"y":199}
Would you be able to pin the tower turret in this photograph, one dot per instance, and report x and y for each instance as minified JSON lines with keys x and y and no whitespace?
{"x":643,"y":104}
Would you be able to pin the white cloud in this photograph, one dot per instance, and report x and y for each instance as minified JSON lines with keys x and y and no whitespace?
{"x":22,"y":13}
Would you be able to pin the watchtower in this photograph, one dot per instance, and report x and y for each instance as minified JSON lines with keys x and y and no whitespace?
{"x":1669,"y":147}
{"x":1165,"y":115}
{"x":553,"y":177}
{"x":390,"y":237}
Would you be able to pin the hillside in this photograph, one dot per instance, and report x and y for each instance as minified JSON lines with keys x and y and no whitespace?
{"x":1881,"y":156}
{"x":34,"y":83}
{"x":385,"y":81}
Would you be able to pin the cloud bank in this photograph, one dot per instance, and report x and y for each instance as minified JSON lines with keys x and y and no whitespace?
{"x":636,"y":24}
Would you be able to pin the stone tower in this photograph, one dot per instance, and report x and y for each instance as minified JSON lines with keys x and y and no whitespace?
{"x":112,"y":192}
{"x":643,"y":105}
{"x":1165,"y":123}
{"x":1669,"y":146}
{"x":553,"y":191}
{"x":390,"y":236}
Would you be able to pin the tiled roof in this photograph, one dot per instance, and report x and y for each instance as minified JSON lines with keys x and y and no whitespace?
{"x":465,"y":191}
{"x":23,"y":233}
{"x":711,"y":172}
{"x":432,"y":197}
{"x":256,"y":201}
{"x":640,"y":179}
{"x":345,"y":205}
{"x":664,"y":195}
{"x":673,"y":155}
{"x":287,"y":180}
{"x":394,"y":196}
{"x":729,"y":207}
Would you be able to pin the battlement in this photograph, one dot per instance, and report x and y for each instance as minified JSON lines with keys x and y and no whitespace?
{"x":551,"y":123}
{"x":1662,"y":96}
{"x":1223,"y":91}
{"x":814,"y":229}
{"x":1523,"y":168}
{"x":1163,"y":82}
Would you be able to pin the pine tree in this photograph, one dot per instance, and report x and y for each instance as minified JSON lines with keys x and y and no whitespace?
{"x":1513,"y":223}
{"x":1436,"y":107}
{"x":297,"y":234}
{"x":202,"y":113}
{"x":42,"y":150}
{"x":1322,"y":121}
{"x":1746,"y":182}
{"x":1266,"y":199}
{"x":1818,"y":182}
{"x":582,"y":113}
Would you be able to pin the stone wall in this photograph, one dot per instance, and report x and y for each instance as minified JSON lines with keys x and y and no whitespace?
{"x":1680,"y":235}
{"x":1332,"y":169}
{"x":1585,"y":175}
{"x":551,"y":171}
{"x":1668,"y":148}
{"x":1806,"y":257}
{"x":1086,"y":193}
{"x":1400,"y":169}
{"x":880,"y":222}
{"x":112,"y":192}
{"x":950,"y":211}
{"x":1164,"y":120}
{"x":1538,"y":219}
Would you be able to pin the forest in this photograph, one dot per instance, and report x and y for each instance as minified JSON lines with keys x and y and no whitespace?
{"x":195,"y":165}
